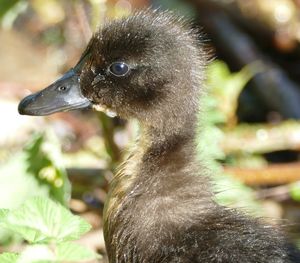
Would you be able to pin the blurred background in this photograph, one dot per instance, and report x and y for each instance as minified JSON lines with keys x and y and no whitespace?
{"x":250,"y":120}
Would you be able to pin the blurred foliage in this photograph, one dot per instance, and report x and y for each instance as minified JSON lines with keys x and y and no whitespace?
{"x":218,"y":110}
{"x":51,"y":11}
{"x":177,"y":6}
{"x":10,"y":10}
{"x":225,"y":89}
{"x":45,"y":162}
{"x":48,"y":227}
{"x":6,"y":5}
{"x":9,"y":257}
{"x":295,"y":191}
{"x":35,"y":171}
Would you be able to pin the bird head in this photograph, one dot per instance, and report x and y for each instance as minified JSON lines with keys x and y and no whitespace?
{"x":145,"y":66}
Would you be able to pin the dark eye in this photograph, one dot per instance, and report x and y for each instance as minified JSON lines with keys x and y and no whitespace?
{"x":62,"y":88}
{"x":119,"y":69}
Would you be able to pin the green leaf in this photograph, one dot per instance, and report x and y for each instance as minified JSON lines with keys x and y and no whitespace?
{"x":74,"y":253}
{"x":16,"y":183}
{"x":37,"y":254}
{"x":229,"y":191}
{"x":10,"y":10}
{"x":44,"y":160}
{"x":40,"y":220}
{"x":35,"y":171}
{"x":3,"y":214}
{"x":295,"y":191}
{"x":225,"y":87}
{"x":6,"y":5}
{"x":218,"y":108}
{"x":63,"y":252}
{"x":8,"y":257}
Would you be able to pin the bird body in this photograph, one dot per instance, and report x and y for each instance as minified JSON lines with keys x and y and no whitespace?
{"x":160,"y":207}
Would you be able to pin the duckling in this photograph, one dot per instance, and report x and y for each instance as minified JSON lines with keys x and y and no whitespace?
{"x":161,"y":208}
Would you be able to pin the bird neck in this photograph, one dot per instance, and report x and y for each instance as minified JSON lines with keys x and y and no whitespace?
{"x":170,"y":146}
{"x":160,"y":152}
{"x":167,"y":138}
{"x":162,"y":164}
{"x":163,"y":160}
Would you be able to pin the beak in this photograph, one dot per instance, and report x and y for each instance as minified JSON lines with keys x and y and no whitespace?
{"x":63,"y":95}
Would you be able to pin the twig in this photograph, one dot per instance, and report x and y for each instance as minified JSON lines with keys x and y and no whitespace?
{"x":262,"y":138}
{"x":275,"y":174}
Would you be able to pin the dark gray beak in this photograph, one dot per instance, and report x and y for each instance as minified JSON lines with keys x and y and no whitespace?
{"x":63,"y":95}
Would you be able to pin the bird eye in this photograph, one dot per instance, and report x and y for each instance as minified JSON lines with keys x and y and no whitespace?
{"x":119,"y":69}
{"x":62,"y":88}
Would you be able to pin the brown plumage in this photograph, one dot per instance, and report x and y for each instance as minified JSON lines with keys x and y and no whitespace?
{"x":161,"y":208}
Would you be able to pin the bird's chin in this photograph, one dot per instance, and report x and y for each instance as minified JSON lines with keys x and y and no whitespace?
{"x":110,"y":113}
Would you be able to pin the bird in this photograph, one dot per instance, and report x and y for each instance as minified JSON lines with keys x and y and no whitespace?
{"x":161,"y":208}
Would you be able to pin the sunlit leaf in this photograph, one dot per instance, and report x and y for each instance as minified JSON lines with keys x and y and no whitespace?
{"x":72,"y":252}
{"x":37,"y":254}
{"x":231,"y":192}
{"x":10,"y":10}
{"x":225,"y":87}
{"x":295,"y":191}
{"x":6,"y":5}
{"x":44,"y":161}
{"x":50,"y":11}
{"x":40,"y":220}
{"x":3,"y":214}
{"x":17,"y":183}
{"x":218,"y":108}
{"x":9,"y":258}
